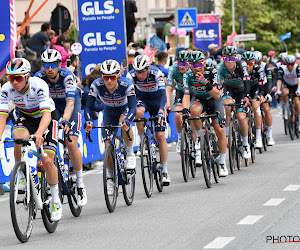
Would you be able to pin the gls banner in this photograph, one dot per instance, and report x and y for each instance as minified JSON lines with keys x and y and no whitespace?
{"x":8,"y":32}
{"x":207,"y":32}
{"x":101,"y":32}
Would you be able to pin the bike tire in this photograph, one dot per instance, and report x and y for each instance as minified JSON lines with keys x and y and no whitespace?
{"x":110,"y":200}
{"x":231,"y":147}
{"x":238,"y":156}
{"x":185,"y":155}
{"x":72,"y":198}
{"x":128,"y":185}
{"x":285,"y":123}
{"x":45,"y":194}
{"x":147,"y":174}
{"x":18,"y":197}
{"x":158,"y":175}
{"x":206,"y":159}
{"x":296,"y":124}
{"x":192,"y":155}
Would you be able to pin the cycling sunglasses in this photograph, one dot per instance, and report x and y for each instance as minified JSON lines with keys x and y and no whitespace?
{"x":196,"y":65}
{"x":18,"y":78}
{"x":250,"y":63}
{"x":290,"y":64}
{"x":229,"y":58}
{"x":141,"y":71}
{"x":184,"y":64}
{"x":53,"y":65}
{"x":112,"y":77}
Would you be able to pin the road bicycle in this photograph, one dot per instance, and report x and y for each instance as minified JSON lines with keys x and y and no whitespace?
{"x":209,"y":149}
{"x":67,"y":177}
{"x":187,"y":149}
{"x":29,"y":192}
{"x":115,"y":163}
{"x":150,"y":158}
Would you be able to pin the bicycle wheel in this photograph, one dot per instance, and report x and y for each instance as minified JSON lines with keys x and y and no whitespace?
{"x":192,"y":154}
{"x":21,"y":203}
{"x":285,"y":122}
{"x":232,"y":147}
{"x":158,"y":175}
{"x":206,"y":159}
{"x":185,"y":154}
{"x":215,"y":161}
{"x":296,"y":123}
{"x":128,"y":186}
{"x":46,"y":199}
{"x":72,"y":196}
{"x":291,"y":120}
{"x":147,"y":174}
{"x":110,"y":163}
{"x":238,"y":151}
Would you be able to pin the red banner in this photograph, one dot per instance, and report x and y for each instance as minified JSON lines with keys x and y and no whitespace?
{"x":230,"y":39}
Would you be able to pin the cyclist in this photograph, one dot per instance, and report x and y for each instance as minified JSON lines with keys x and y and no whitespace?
{"x":63,"y":90}
{"x":151,"y":96}
{"x":256,"y":92}
{"x":36,"y":119}
{"x":204,"y":86}
{"x":118,"y":96}
{"x":234,"y":75}
{"x":175,"y":75}
{"x":268,"y":82}
{"x":209,"y":63}
{"x":289,"y":82}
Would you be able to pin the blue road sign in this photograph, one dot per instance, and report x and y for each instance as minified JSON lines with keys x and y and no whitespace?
{"x":187,"y":18}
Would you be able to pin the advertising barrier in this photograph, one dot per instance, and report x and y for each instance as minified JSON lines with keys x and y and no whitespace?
{"x":91,"y":151}
{"x":101,"y":31}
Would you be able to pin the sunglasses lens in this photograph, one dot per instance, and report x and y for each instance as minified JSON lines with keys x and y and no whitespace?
{"x":228,"y":59}
{"x":184,"y":64}
{"x":17,"y":78}
{"x":52,"y":65}
{"x":196,"y":65}
{"x":109,"y":77}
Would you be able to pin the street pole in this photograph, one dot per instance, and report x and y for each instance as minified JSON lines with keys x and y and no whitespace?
{"x":147,"y":24}
{"x":141,"y":20}
{"x":233,"y":16}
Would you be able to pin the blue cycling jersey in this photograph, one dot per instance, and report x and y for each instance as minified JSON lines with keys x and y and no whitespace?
{"x":64,"y":87}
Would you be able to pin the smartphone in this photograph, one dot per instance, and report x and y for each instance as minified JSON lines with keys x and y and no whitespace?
{"x":136,"y":45}
{"x":168,"y":46}
{"x":124,"y":62}
{"x":68,"y":62}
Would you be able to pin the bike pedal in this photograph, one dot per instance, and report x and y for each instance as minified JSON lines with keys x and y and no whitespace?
{"x":166,"y":183}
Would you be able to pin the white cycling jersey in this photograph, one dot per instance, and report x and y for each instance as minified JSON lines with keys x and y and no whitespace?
{"x":33,"y":101}
{"x":290,"y":78}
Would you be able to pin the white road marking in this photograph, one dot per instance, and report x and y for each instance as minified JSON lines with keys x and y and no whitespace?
{"x":219,"y":243}
{"x":292,"y":188}
{"x":274,"y":202}
{"x":250,"y":220}
{"x":3,"y":199}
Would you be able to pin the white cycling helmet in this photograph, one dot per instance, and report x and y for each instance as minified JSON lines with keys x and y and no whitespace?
{"x":141,"y":62}
{"x":18,"y":66}
{"x":258,"y":56}
{"x":51,"y":55}
{"x":110,"y":67}
{"x":290,"y":59}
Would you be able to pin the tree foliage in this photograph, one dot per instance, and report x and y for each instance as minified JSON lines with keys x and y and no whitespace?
{"x":268,"y":19}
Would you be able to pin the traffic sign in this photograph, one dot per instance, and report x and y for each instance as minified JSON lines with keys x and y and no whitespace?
{"x":186,"y":18}
{"x":245,"y":37}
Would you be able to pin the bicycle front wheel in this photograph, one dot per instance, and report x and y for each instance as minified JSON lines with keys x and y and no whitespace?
{"x":185,"y":154}
{"x":232,"y":147}
{"x":129,"y":187}
{"x":110,"y":181}
{"x":72,"y":196}
{"x":206,"y":159}
{"x":46,"y":199}
{"x":291,"y":126}
{"x":21,"y":202}
{"x":146,"y":168}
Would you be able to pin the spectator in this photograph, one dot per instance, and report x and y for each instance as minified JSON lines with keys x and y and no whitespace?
{"x":168,"y":26}
{"x":130,"y":8}
{"x":22,"y":49}
{"x":162,"y":58}
{"x":38,"y":41}
{"x":214,"y":52}
{"x":75,"y":63}
{"x":62,"y":46}
{"x":240,"y":48}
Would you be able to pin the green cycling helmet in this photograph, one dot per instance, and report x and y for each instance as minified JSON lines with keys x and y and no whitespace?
{"x":182,"y":56}
{"x":229,"y":51}
{"x":248,"y":56}
{"x":196,"y":56}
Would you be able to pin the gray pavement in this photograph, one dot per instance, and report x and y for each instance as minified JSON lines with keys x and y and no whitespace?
{"x":244,"y":211}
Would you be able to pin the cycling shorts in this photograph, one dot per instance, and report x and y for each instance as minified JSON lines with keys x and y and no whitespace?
{"x":151,"y":105}
{"x":31,"y":125}
{"x":178,"y":99}
{"x":292,"y":89}
{"x":236,"y":94}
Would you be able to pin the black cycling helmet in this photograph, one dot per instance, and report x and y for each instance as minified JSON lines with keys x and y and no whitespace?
{"x":182,"y":56}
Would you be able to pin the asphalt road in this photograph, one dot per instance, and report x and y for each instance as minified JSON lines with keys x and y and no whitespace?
{"x":255,"y":208}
